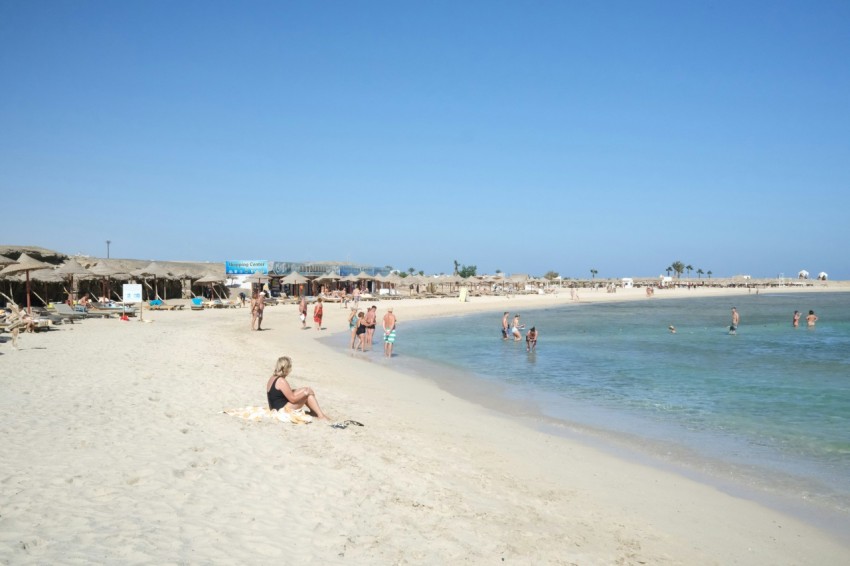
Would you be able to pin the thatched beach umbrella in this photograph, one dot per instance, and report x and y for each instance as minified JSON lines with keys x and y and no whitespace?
{"x":155,"y":270}
{"x":105,"y":272}
{"x":257,"y":278}
{"x":211,"y":280}
{"x":72,"y":269}
{"x":25,"y":264}
{"x":5,"y":260}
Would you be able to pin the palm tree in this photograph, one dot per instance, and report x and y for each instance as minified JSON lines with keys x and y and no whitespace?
{"x":457,"y":266}
{"x":669,"y":269}
{"x":689,"y":268}
{"x":411,"y":270}
{"x":699,"y":273}
{"x":678,"y":267}
{"x":709,"y":274}
{"x":593,"y":273}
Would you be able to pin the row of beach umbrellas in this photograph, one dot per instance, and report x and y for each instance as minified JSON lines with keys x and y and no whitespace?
{"x":31,"y":268}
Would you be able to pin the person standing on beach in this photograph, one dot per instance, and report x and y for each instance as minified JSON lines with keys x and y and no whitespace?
{"x":371,"y":322}
{"x":360,"y":332}
{"x":389,"y":332}
{"x":796,"y":320}
{"x":355,"y":296}
{"x":352,"y":325}
{"x":505,"y":325}
{"x":302,"y":311}
{"x":736,"y":318}
{"x":811,"y":319}
{"x":318,"y":311}
{"x":258,"y":303}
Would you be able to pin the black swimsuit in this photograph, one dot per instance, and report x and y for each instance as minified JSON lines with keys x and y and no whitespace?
{"x":277,"y":400}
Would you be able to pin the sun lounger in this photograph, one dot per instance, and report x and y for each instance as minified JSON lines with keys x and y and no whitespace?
{"x":161,"y":306}
{"x":67,"y":312}
{"x":119,"y":309}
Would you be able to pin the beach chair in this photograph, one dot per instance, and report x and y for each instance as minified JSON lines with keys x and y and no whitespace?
{"x":197,"y":304}
{"x":68,"y":313}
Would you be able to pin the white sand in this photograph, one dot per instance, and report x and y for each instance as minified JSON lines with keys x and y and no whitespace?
{"x":113,"y":448}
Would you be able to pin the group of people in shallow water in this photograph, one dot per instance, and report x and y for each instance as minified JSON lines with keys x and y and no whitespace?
{"x":362,"y":325}
{"x":514,"y":329}
{"x":811,"y":319}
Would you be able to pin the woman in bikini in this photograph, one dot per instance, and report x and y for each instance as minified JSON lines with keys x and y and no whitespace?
{"x":282,"y":397}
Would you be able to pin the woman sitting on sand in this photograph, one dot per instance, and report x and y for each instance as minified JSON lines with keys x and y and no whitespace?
{"x":282,"y":397}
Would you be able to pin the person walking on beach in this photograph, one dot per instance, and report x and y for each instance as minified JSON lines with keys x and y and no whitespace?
{"x":389,"y":332}
{"x":796,"y":320}
{"x":318,"y":311}
{"x":505,"y":325}
{"x":736,"y":318}
{"x":302,"y":311}
{"x":531,"y":340}
{"x":355,"y":296}
{"x":811,"y":319}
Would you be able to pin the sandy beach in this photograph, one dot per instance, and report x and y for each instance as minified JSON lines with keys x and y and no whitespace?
{"x":115,"y":449}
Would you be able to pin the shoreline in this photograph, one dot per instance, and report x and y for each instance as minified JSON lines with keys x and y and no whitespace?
{"x":138,"y":462}
{"x":740,"y":479}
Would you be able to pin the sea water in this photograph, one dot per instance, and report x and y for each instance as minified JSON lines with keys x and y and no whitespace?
{"x":767,"y":408}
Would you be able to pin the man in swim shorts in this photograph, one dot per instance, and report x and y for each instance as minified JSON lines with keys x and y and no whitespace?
{"x":389,"y":332}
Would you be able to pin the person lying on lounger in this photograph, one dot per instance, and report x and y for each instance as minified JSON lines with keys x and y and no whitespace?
{"x":282,"y":397}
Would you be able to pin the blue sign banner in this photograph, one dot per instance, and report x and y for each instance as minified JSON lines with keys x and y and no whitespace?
{"x":246,"y":267}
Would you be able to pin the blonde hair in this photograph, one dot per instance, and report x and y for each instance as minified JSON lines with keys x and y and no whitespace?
{"x":283,"y":366}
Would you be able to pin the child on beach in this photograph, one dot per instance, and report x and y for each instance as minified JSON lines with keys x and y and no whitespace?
{"x":302,"y":311}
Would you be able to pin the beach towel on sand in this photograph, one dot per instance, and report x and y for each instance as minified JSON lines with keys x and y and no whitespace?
{"x":262,"y":413}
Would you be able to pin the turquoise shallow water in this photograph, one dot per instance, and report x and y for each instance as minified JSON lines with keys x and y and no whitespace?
{"x":770,"y":405}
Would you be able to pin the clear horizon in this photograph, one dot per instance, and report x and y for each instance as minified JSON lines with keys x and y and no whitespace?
{"x":524,"y":138}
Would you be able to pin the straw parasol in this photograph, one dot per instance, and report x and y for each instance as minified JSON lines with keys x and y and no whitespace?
{"x":211,"y":279}
{"x":5,"y":260}
{"x":72,"y":269}
{"x":104,"y":271}
{"x":25,"y":264}
{"x":294,"y":278}
{"x":258,"y":278}
{"x":155,"y":270}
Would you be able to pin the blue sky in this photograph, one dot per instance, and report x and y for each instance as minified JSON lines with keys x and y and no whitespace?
{"x":515,"y":136}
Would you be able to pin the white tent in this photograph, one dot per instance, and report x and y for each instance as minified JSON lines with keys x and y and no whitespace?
{"x":803,"y":274}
